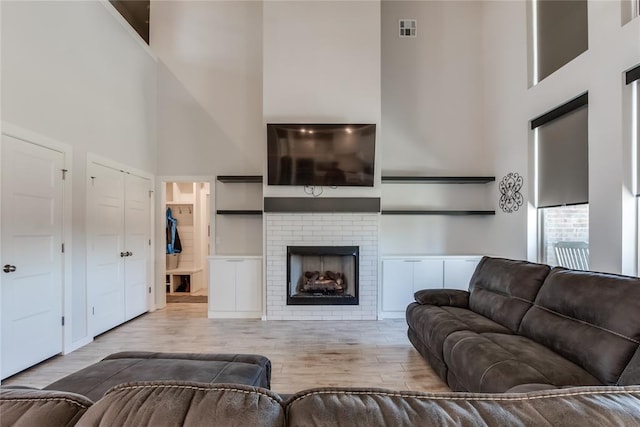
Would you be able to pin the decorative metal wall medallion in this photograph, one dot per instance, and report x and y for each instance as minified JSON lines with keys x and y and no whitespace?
{"x":510,"y":197}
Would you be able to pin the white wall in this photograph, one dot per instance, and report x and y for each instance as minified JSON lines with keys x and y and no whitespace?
{"x":612,"y":50}
{"x":210,"y":105}
{"x":209,"y":86}
{"x":321,"y":65}
{"x":506,"y":130}
{"x":432,"y":124}
{"x":73,"y":73}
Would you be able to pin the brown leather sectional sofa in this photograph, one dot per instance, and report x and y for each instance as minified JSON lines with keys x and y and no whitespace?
{"x":540,"y":347}
{"x":524,"y":326}
{"x":202,"y":404}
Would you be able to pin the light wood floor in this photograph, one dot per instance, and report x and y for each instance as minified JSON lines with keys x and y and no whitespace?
{"x":304,"y":354}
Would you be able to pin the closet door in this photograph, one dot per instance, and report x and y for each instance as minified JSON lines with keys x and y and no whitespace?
{"x":137,"y":235}
{"x":31,"y":281}
{"x":106,"y":250}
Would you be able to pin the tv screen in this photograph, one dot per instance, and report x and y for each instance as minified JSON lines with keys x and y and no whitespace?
{"x":321,"y":154}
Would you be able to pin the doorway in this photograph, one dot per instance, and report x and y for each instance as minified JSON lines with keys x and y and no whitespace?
{"x":187,"y":246}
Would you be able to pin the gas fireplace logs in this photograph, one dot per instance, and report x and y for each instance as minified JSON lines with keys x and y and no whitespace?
{"x":329,"y":282}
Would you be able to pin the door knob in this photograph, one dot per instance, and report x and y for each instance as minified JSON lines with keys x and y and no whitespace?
{"x":129,"y":253}
{"x":9,"y":268}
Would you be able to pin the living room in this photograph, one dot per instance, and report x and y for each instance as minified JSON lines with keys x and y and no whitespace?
{"x":456,"y":100}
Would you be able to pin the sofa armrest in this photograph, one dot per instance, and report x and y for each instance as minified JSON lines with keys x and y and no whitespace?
{"x":452,"y":297}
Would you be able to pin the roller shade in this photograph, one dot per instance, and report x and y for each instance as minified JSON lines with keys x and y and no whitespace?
{"x":632,"y":75}
{"x":563,"y":155}
{"x":562,"y":33}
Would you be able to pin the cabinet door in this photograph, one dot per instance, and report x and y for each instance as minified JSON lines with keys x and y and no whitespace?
{"x":458,"y":272}
{"x":248,"y":285}
{"x":222,"y":293}
{"x":397,"y":284}
{"x":428,"y":274}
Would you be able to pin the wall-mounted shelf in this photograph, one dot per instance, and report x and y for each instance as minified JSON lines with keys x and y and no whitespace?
{"x":231,"y":179}
{"x":239,"y":179}
{"x":439,"y":179}
{"x":238,"y":212}
{"x":407,"y":179}
{"x":435,"y":212}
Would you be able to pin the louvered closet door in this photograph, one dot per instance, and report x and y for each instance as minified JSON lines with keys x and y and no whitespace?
{"x":31,"y":280}
{"x":137,"y":235}
{"x":105,"y":269}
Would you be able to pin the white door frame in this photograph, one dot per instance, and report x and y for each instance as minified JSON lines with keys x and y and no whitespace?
{"x":35,"y":138}
{"x":160,"y":249}
{"x":95,"y":158}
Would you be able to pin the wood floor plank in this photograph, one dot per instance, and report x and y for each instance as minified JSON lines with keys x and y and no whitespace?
{"x":304,"y":354}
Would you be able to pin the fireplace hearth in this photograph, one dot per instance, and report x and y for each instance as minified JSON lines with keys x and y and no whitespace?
{"x":322,"y":275}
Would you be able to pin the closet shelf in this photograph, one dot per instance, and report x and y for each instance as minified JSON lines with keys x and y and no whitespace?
{"x":231,"y":179}
{"x":434,"y":212}
{"x":238,"y":212}
{"x":439,"y":179}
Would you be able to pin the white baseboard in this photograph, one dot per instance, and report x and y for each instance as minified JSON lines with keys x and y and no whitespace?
{"x":77,"y":344}
{"x":234,"y":314}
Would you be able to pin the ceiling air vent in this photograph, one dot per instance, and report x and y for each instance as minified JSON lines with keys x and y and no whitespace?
{"x":408,"y":27}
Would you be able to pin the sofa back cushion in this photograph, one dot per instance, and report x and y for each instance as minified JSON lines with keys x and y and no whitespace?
{"x":31,"y":407}
{"x":592,"y":319}
{"x":572,"y":407}
{"x":503,"y":289}
{"x":182,"y":403}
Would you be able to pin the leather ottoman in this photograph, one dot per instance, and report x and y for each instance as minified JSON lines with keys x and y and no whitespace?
{"x":93,"y":381}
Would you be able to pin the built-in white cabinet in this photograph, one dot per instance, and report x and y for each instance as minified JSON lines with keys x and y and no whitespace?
{"x":235,"y":287}
{"x":403,"y":276}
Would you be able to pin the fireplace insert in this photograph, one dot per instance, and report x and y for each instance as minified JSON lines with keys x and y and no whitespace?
{"x":322,"y":275}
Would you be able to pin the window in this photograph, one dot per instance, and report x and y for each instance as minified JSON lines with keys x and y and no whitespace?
{"x":632,"y":78}
{"x":564,"y":229}
{"x":630,"y":10}
{"x":560,"y":33}
{"x":562,"y":181}
{"x":136,"y":13}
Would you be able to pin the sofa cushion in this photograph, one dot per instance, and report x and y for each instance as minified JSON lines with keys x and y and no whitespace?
{"x":452,"y":297}
{"x":592,"y":319}
{"x":631,"y":374}
{"x":178,"y":403}
{"x":23,"y":407}
{"x":93,"y":381}
{"x":494,"y":363}
{"x":585,"y":407}
{"x":503,"y":290}
{"x":433,"y":324}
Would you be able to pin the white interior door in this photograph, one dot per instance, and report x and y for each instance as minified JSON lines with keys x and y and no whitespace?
{"x":105,"y":269}
{"x":31,"y":280}
{"x":137,"y":235}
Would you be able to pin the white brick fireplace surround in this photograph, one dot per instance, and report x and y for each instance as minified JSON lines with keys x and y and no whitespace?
{"x":321,"y":229}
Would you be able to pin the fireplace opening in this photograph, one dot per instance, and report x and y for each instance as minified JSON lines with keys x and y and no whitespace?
{"x":322,"y":275}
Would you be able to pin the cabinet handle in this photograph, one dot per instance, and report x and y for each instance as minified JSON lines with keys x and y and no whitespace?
{"x":235,"y":260}
{"x":412,"y":260}
{"x":123,"y":254}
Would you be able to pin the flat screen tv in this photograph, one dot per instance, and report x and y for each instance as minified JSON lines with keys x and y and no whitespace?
{"x":321,"y":154}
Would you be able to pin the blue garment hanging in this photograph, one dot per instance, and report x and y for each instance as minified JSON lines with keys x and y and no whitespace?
{"x":173,"y":239}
